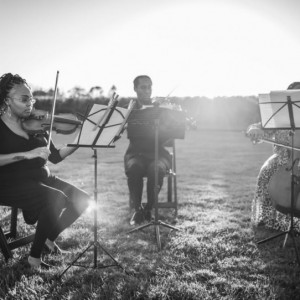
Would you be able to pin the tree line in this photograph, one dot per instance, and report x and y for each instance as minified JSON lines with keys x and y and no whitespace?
{"x":226,"y":113}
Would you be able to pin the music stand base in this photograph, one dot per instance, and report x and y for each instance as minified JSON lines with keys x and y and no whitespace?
{"x":290,"y":232}
{"x":157,"y":229}
{"x":96,"y":265}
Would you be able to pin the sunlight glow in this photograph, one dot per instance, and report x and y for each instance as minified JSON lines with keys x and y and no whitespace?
{"x":209,"y":50}
{"x":204,"y":48}
{"x":91,"y":207}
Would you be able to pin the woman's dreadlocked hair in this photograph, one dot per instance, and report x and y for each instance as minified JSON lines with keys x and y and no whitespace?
{"x":7,"y":82}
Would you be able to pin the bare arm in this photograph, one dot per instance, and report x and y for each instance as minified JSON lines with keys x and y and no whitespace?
{"x":66,"y":151}
{"x":6,"y":159}
{"x":257,"y":133}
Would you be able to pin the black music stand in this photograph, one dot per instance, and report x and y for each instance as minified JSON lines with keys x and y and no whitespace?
{"x":151,"y":122}
{"x":104,"y":125}
{"x":278,"y":114}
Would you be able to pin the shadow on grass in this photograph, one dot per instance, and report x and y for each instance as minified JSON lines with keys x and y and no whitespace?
{"x":280,"y":262}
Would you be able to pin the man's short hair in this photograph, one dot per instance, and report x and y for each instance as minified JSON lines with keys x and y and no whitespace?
{"x":293,"y":85}
{"x":137,"y":79}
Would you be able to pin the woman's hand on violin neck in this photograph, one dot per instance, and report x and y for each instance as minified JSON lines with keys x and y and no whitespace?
{"x":42,"y":152}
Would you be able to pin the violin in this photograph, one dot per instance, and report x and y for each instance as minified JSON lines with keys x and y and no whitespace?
{"x":40,"y":121}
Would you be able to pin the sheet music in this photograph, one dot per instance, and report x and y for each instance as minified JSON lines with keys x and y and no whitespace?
{"x":281,"y":96}
{"x":111,"y":130}
{"x":141,"y":123}
{"x":274,"y":109}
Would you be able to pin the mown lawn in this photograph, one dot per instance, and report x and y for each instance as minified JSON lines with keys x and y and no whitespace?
{"x":213,"y":256}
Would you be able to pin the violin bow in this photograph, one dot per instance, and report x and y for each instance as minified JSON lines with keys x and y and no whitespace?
{"x":157,"y":99}
{"x":53,"y":110}
{"x":276,"y":143}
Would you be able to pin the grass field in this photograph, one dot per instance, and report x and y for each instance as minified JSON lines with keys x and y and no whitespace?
{"x":213,"y":256}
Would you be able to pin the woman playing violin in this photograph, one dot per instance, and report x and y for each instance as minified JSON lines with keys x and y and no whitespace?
{"x":25,"y":179}
{"x":263,"y":210}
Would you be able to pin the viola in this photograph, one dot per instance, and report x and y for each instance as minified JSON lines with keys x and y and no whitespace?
{"x":40,"y":121}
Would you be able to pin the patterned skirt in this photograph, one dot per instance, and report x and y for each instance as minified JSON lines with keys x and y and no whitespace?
{"x":263,"y":212}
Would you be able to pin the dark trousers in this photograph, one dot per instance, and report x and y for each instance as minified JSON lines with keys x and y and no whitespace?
{"x":138,"y":167}
{"x":55,"y":204}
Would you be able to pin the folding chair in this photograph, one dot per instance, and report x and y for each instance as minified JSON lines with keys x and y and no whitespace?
{"x":172,"y":201}
{"x":9,"y":240}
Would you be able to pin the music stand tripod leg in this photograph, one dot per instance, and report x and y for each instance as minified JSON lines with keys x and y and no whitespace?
{"x":168,"y":225}
{"x":287,"y":234}
{"x":291,"y":232}
{"x":157,"y":222}
{"x":296,"y":247}
{"x":112,"y":258}
{"x":75,"y":260}
{"x":95,"y":243}
{"x":272,"y":237}
{"x":141,"y":227}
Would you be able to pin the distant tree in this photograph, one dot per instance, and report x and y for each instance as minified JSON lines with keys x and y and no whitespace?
{"x":111,"y":91}
{"x":77,"y":93}
{"x":50,"y":92}
{"x":96,"y":92}
{"x":39,"y":93}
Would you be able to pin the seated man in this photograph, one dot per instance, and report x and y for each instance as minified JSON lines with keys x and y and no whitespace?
{"x":140,"y":157}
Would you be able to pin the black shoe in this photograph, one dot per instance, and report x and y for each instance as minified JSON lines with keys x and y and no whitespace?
{"x":147,"y":215}
{"x":137,"y":218}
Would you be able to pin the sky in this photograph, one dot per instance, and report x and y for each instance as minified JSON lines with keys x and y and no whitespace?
{"x":188,"y":47}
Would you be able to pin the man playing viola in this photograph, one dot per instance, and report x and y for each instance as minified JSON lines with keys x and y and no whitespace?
{"x":139,"y":159}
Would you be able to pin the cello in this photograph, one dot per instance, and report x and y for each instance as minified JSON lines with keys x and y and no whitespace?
{"x":286,"y":178}
{"x":280,"y":188}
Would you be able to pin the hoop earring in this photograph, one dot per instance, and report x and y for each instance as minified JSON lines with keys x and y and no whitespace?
{"x":8,"y":111}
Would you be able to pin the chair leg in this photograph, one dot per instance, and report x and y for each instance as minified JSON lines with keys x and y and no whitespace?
{"x":13,"y":222}
{"x":4,"y":246}
{"x":175,"y":195}
{"x":170,"y":186}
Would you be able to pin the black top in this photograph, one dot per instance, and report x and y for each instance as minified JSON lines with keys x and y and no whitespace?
{"x":35,"y":168}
